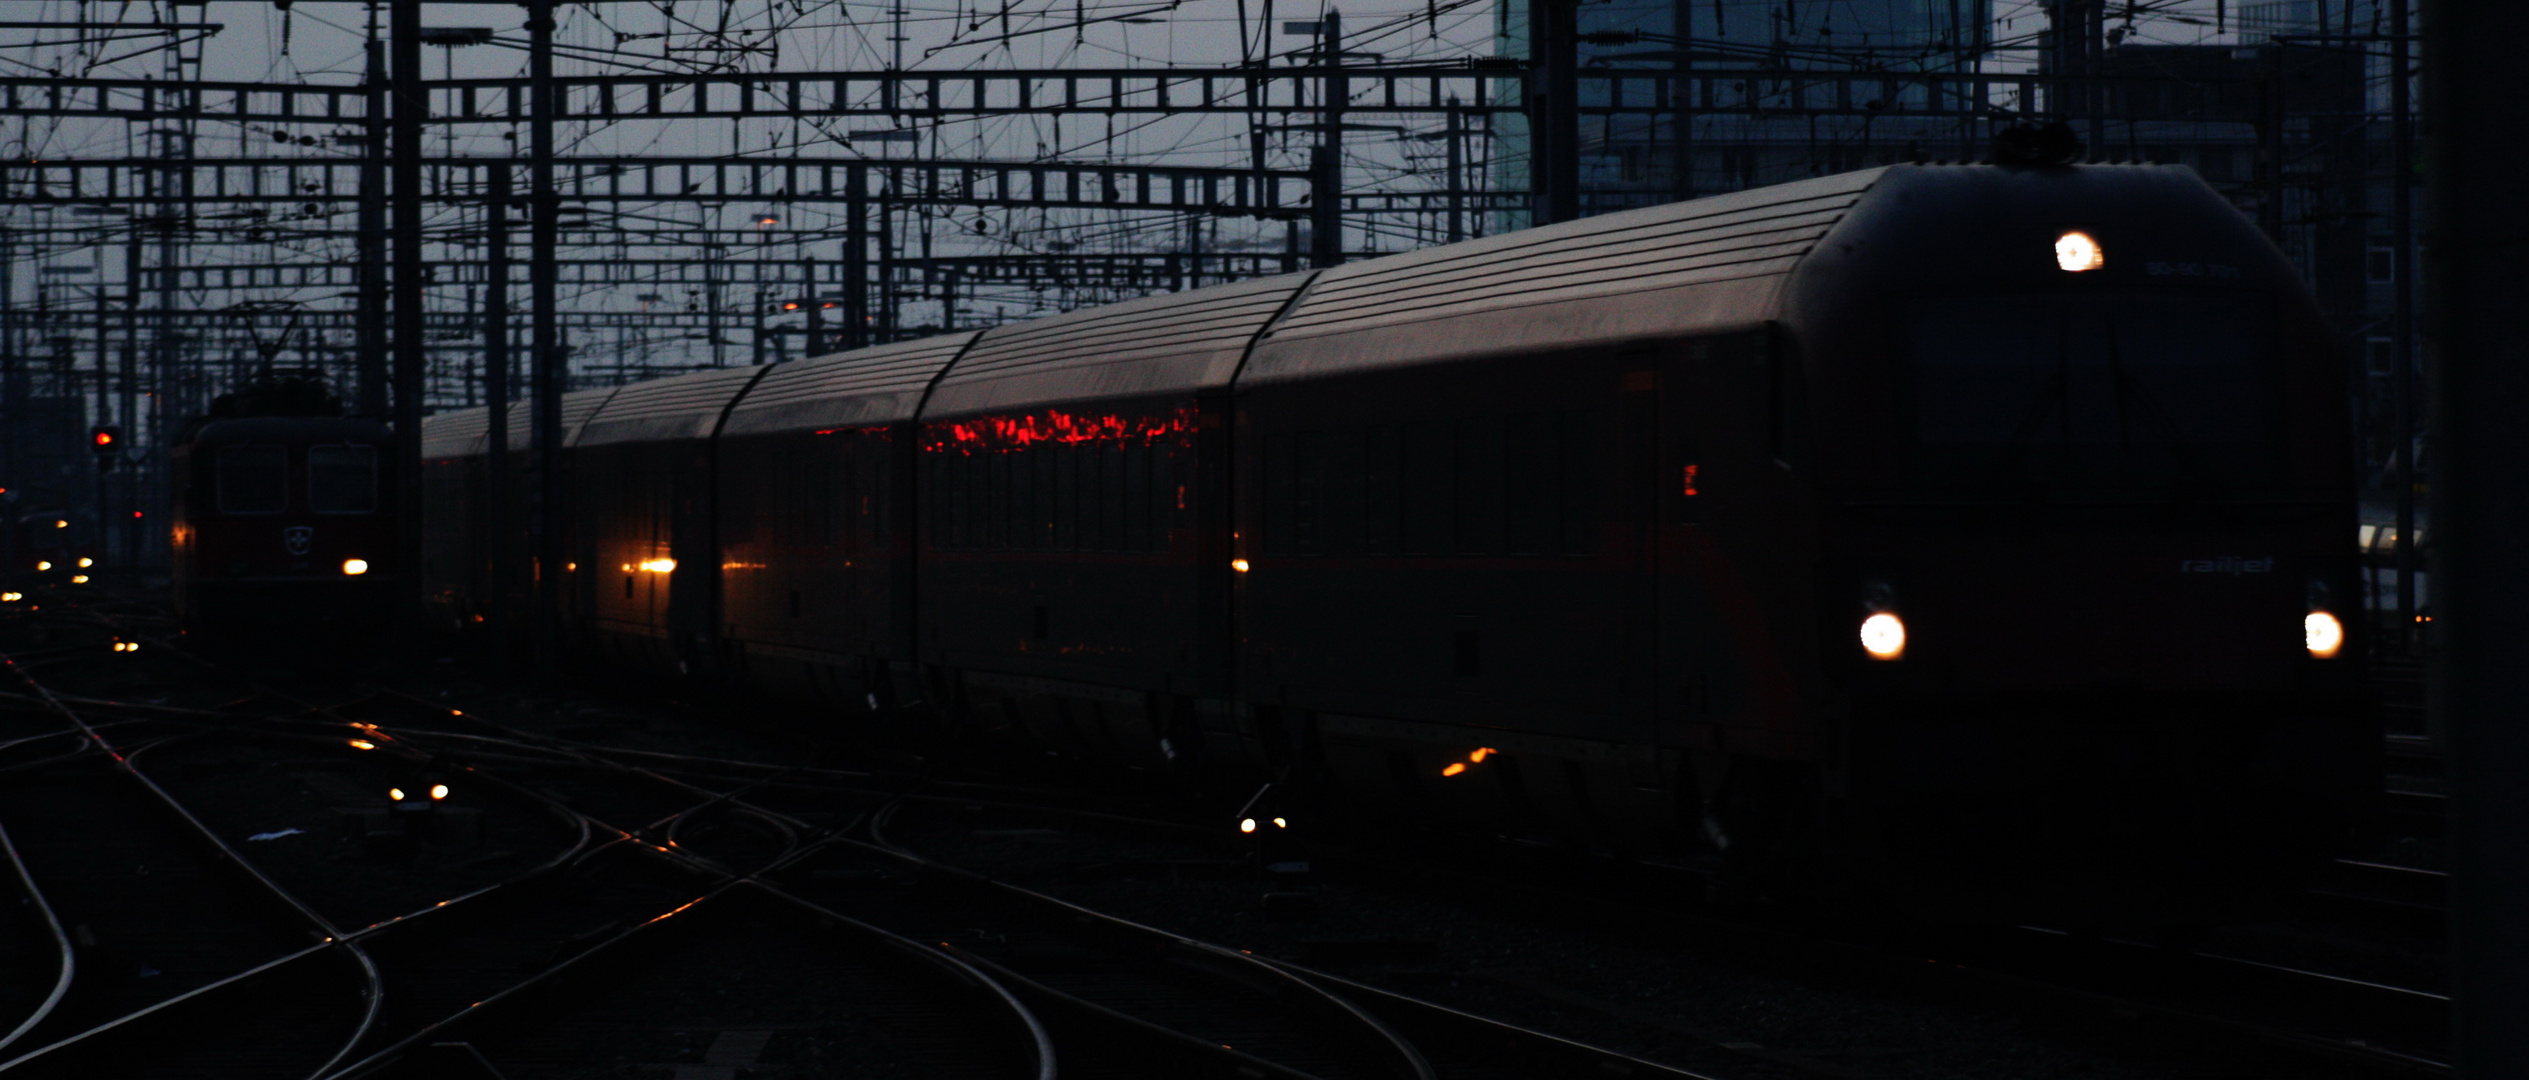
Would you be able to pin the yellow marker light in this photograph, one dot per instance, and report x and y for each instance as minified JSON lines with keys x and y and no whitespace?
{"x":1455,"y":767}
{"x":395,"y":793}
{"x":1884,"y":636}
{"x":438,"y":791}
{"x":355,"y":567}
{"x":659,"y":566}
{"x":2076,"y":252}
{"x":2324,"y":635}
{"x":1239,"y":565}
{"x":78,"y":579}
{"x":363,"y":744}
{"x":85,"y":562}
{"x":1246,"y":825}
{"x":43,"y":566}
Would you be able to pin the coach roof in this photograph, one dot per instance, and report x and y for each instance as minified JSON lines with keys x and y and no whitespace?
{"x":667,"y":410}
{"x":1179,"y":343}
{"x":1705,"y":264}
{"x":877,"y":385}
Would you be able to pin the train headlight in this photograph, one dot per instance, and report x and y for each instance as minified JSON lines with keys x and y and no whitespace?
{"x":2076,"y":252}
{"x":1884,"y":636}
{"x":355,"y":567}
{"x":2324,"y":635}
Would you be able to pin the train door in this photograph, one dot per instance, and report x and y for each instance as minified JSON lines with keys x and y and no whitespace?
{"x":690,"y":543}
{"x":1732,"y":564}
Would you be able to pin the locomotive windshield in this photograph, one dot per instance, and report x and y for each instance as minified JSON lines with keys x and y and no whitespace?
{"x":2099,"y":397}
{"x":342,"y":479}
{"x":254,"y":479}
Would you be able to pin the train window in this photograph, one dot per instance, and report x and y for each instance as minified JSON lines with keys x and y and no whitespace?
{"x":1138,"y":499}
{"x":1334,"y":459}
{"x":1578,"y":486}
{"x":1308,"y":492}
{"x":1279,"y":498}
{"x":254,"y":479}
{"x":1379,"y":491}
{"x":813,"y":513}
{"x":1529,"y":471}
{"x":342,"y":479}
{"x":1046,"y":512}
{"x":995,"y":505}
{"x":1428,"y":458}
{"x":1479,"y":485}
{"x":2128,"y":397}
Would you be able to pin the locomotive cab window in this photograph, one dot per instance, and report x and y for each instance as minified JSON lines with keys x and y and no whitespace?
{"x":254,"y":479}
{"x":2138,"y":397}
{"x":342,"y":479}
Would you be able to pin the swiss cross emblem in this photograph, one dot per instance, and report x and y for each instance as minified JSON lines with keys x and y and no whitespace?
{"x":297,"y":538}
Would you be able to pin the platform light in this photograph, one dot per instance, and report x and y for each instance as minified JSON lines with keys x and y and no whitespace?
{"x":61,"y":523}
{"x":395,"y":794}
{"x":43,"y":565}
{"x":355,"y":567}
{"x":363,"y":744}
{"x":85,"y":562}
{"x":2323,"y":634}
{"x":1453,"y":768}
{"x":78,"y":579}
{"x":2076,"y":252}
{"x":11,"y":597}
{"x":1246,"y":825}
{"x":1239,"y":565}
{"x":1884,"y":636}
{"x":1281,"y":824}
{"x":438,"y":791}
{"x":659,"y":566}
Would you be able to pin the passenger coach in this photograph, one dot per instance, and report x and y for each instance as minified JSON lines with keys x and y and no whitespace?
{"x":1927,"y":524}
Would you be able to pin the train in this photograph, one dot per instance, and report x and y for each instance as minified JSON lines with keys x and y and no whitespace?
{"x":284,"y":522}
{"x":1960,"y":531}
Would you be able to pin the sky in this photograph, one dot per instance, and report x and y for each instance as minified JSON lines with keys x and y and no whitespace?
{"x":320,"y":42}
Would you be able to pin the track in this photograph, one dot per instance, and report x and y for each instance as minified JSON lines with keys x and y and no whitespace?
{"x":564,"y":895}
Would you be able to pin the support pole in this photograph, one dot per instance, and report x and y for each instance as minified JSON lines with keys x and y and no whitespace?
{"x":856,"y":260}
{"x":1326,"y":163}
{"x":813,"y":343}
{"x":2402,"y":311}
{"x":369,"y":361}
{"x":543,"y":237}
{"x":2480,"y":491}
{"x":498,"y":492}
{"x":1457,"y":173}
{"x":1554,"y":118}
{"x":1681,"y":142}
{"x":404,"y":37}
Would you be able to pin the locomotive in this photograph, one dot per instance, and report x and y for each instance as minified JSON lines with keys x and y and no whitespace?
{"x":283,"y":524}
{"x":1970,"y":531}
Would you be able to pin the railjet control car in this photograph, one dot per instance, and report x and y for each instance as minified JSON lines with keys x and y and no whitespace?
{"x":1941,"y":525}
